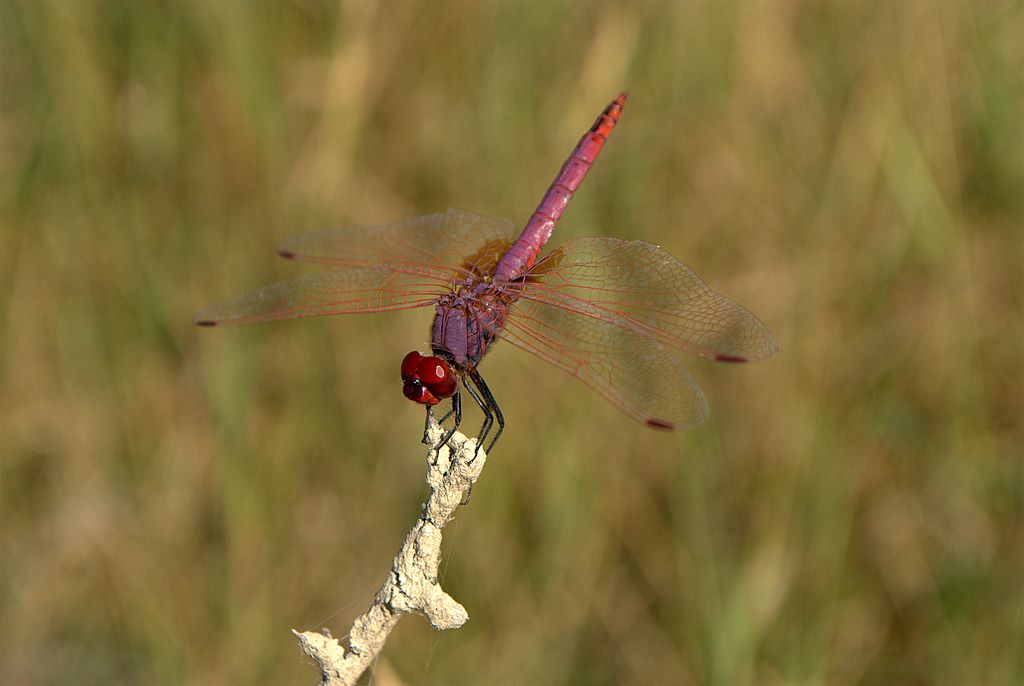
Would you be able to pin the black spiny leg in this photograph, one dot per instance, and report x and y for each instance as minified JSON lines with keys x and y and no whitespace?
{"x":453,"y":410}
{"x":492,"y":403}
{"x":449,"y":413}
{"x":426,"y":424}
{"x":484,"y":407}
{"x":457,"y":409}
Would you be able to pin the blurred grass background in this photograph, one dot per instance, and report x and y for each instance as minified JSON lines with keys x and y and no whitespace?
{"x":173,"y":500}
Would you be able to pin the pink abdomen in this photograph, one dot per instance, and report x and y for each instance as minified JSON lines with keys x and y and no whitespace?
{"x":524,"y":251}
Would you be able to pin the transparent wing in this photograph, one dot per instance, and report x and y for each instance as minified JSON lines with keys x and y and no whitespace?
{"x":640,"y":287}
{"x":345,"y":291}
{"x":396,"y":266}
{"x":635,"y":373}
{"x":440,"y":239}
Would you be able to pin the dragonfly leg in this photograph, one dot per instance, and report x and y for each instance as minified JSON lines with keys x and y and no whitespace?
{"x":484,"y":407}
{"x":426,"y":424}
{"x":452,"y":410}
{"x":457,"y":410}
{"x":447,"y":414}
{"x":492,"y":403}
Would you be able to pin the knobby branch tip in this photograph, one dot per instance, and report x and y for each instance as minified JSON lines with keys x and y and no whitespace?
{"x":411,"y":585}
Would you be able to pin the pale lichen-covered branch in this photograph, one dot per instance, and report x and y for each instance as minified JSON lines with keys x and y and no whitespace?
{"x":412,"y":584}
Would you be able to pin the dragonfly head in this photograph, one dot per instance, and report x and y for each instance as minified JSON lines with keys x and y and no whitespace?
{"x":427,"y":379}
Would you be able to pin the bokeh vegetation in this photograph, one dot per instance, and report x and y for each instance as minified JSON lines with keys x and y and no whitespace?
{"x":173,"y":500}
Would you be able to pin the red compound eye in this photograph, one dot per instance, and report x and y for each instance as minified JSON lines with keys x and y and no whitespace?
{"x":410,"y":364}
{"x":427,"y":380}
{"x":437,"y":376}
{"x":432,"y":370}
{"x":415,"y":391}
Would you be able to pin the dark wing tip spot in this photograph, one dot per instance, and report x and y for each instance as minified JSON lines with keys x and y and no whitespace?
{"x":286,"y":254}
{"x":729,"y":358}
{"x":658,"y":424}
{"x":205,"y":322}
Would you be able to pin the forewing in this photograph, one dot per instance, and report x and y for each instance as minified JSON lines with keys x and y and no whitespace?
{"x":635,"y":373}
{"x":381,"y":268}
{"x":440,"y":239}
{"x":344,"y":291}
{"x":639,"y":286}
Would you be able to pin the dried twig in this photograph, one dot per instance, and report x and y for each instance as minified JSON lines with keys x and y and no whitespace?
{"x":412,"y":584}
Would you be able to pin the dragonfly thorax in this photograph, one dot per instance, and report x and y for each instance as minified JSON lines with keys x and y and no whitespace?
{"x":466,"y":324}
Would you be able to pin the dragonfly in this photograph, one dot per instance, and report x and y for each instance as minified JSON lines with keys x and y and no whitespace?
{"x":612,"y":313}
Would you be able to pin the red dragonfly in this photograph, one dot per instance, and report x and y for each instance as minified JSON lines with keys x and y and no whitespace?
{"x":609,"y":312}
